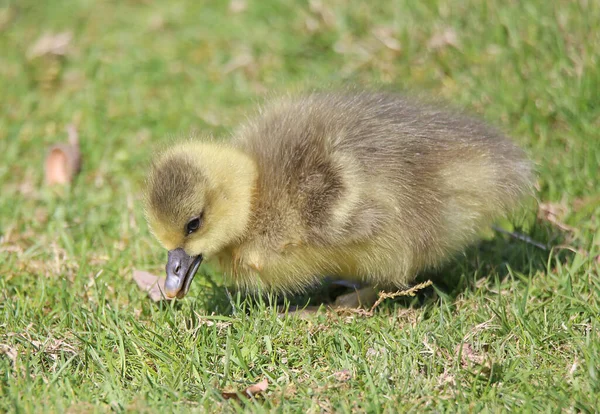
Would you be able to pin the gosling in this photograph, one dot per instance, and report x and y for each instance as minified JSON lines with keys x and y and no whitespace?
{"x":365,"y":186}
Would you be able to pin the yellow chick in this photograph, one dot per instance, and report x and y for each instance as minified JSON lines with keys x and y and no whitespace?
{"x":365,"y":186}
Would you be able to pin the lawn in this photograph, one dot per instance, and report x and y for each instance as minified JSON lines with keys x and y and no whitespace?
{"x":506,"y":326}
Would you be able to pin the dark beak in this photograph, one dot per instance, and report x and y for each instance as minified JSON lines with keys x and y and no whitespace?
{"x":181,"y":270}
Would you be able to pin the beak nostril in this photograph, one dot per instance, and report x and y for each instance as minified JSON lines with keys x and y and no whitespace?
{"x":177,"y":269}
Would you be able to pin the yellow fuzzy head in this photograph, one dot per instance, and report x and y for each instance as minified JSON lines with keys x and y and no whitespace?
{"x":199,"y":197}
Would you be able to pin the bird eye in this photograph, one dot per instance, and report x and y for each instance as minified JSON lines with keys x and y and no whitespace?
{"x":193,"y":225}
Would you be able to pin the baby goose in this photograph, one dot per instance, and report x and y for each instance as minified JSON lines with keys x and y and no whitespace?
{"x":365,"y":186}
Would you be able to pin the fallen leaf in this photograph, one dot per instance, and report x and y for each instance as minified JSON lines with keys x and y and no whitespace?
{"x":343,"y":375}
{"x":157,"y":22}
{"x":151,"y":284}
{"x":573,"y":367}
{"x":237,"y":6}
{"x":63,"y":161}
{"x":10,"y":352}
{"x":323,"y":11}
{"x":57,"y":44}
{"x":311,"y":24}
{"x":552,"y":212}
{"x":249,"y":392}
{"x":257,"y":388}
{"x":239,"y":61}
{"x":468,"y":355}
{"x":448,"y":37}
{"x":386,"y":36}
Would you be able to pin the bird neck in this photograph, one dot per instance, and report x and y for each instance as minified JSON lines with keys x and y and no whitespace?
{"x":234,"y":176}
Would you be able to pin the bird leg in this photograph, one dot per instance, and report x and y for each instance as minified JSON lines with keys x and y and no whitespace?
{"x":360,"y":298}
{"x":355,"y":296}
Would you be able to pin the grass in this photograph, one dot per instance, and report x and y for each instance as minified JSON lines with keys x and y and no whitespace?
{"x":507,"y":326}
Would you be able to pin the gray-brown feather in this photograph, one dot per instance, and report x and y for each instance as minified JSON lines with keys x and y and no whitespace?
{"x":400,"y":151}
{"x":172,"y":188}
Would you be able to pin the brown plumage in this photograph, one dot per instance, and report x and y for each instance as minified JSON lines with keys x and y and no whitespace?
{"x":373,"y":187}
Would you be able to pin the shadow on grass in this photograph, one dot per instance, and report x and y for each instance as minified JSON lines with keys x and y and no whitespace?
{"x":496,"y":258}
{"x":484,"y":263}
{"x":491,"y":260}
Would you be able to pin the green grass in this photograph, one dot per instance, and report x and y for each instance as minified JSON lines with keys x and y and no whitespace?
{"x":77,"y":334}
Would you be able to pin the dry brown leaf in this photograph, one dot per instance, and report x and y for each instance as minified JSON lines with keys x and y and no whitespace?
{"x":157,"y":22}
{"x":343,"y":375}
{"x":323,"y":11}
{"x":151,"y":284}
{"x":10,"y":352}
{"x":573,"y":367}
{"x":257,"y":388}
{"x":237,"y":6}
{"x":552,"y":212}
{"x":311,"y":24}
{"x":242,"y":60}
{"x":56,"y":44}
{"x":63,"y":161}
{"x":468,"y":355}
{"x":249,"y":392}
{"x":386,"y":36}
{"x":229,"y":395}
{"x":447,"y":37}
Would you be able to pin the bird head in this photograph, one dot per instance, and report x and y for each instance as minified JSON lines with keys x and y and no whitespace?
{"x":198,"y":201}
